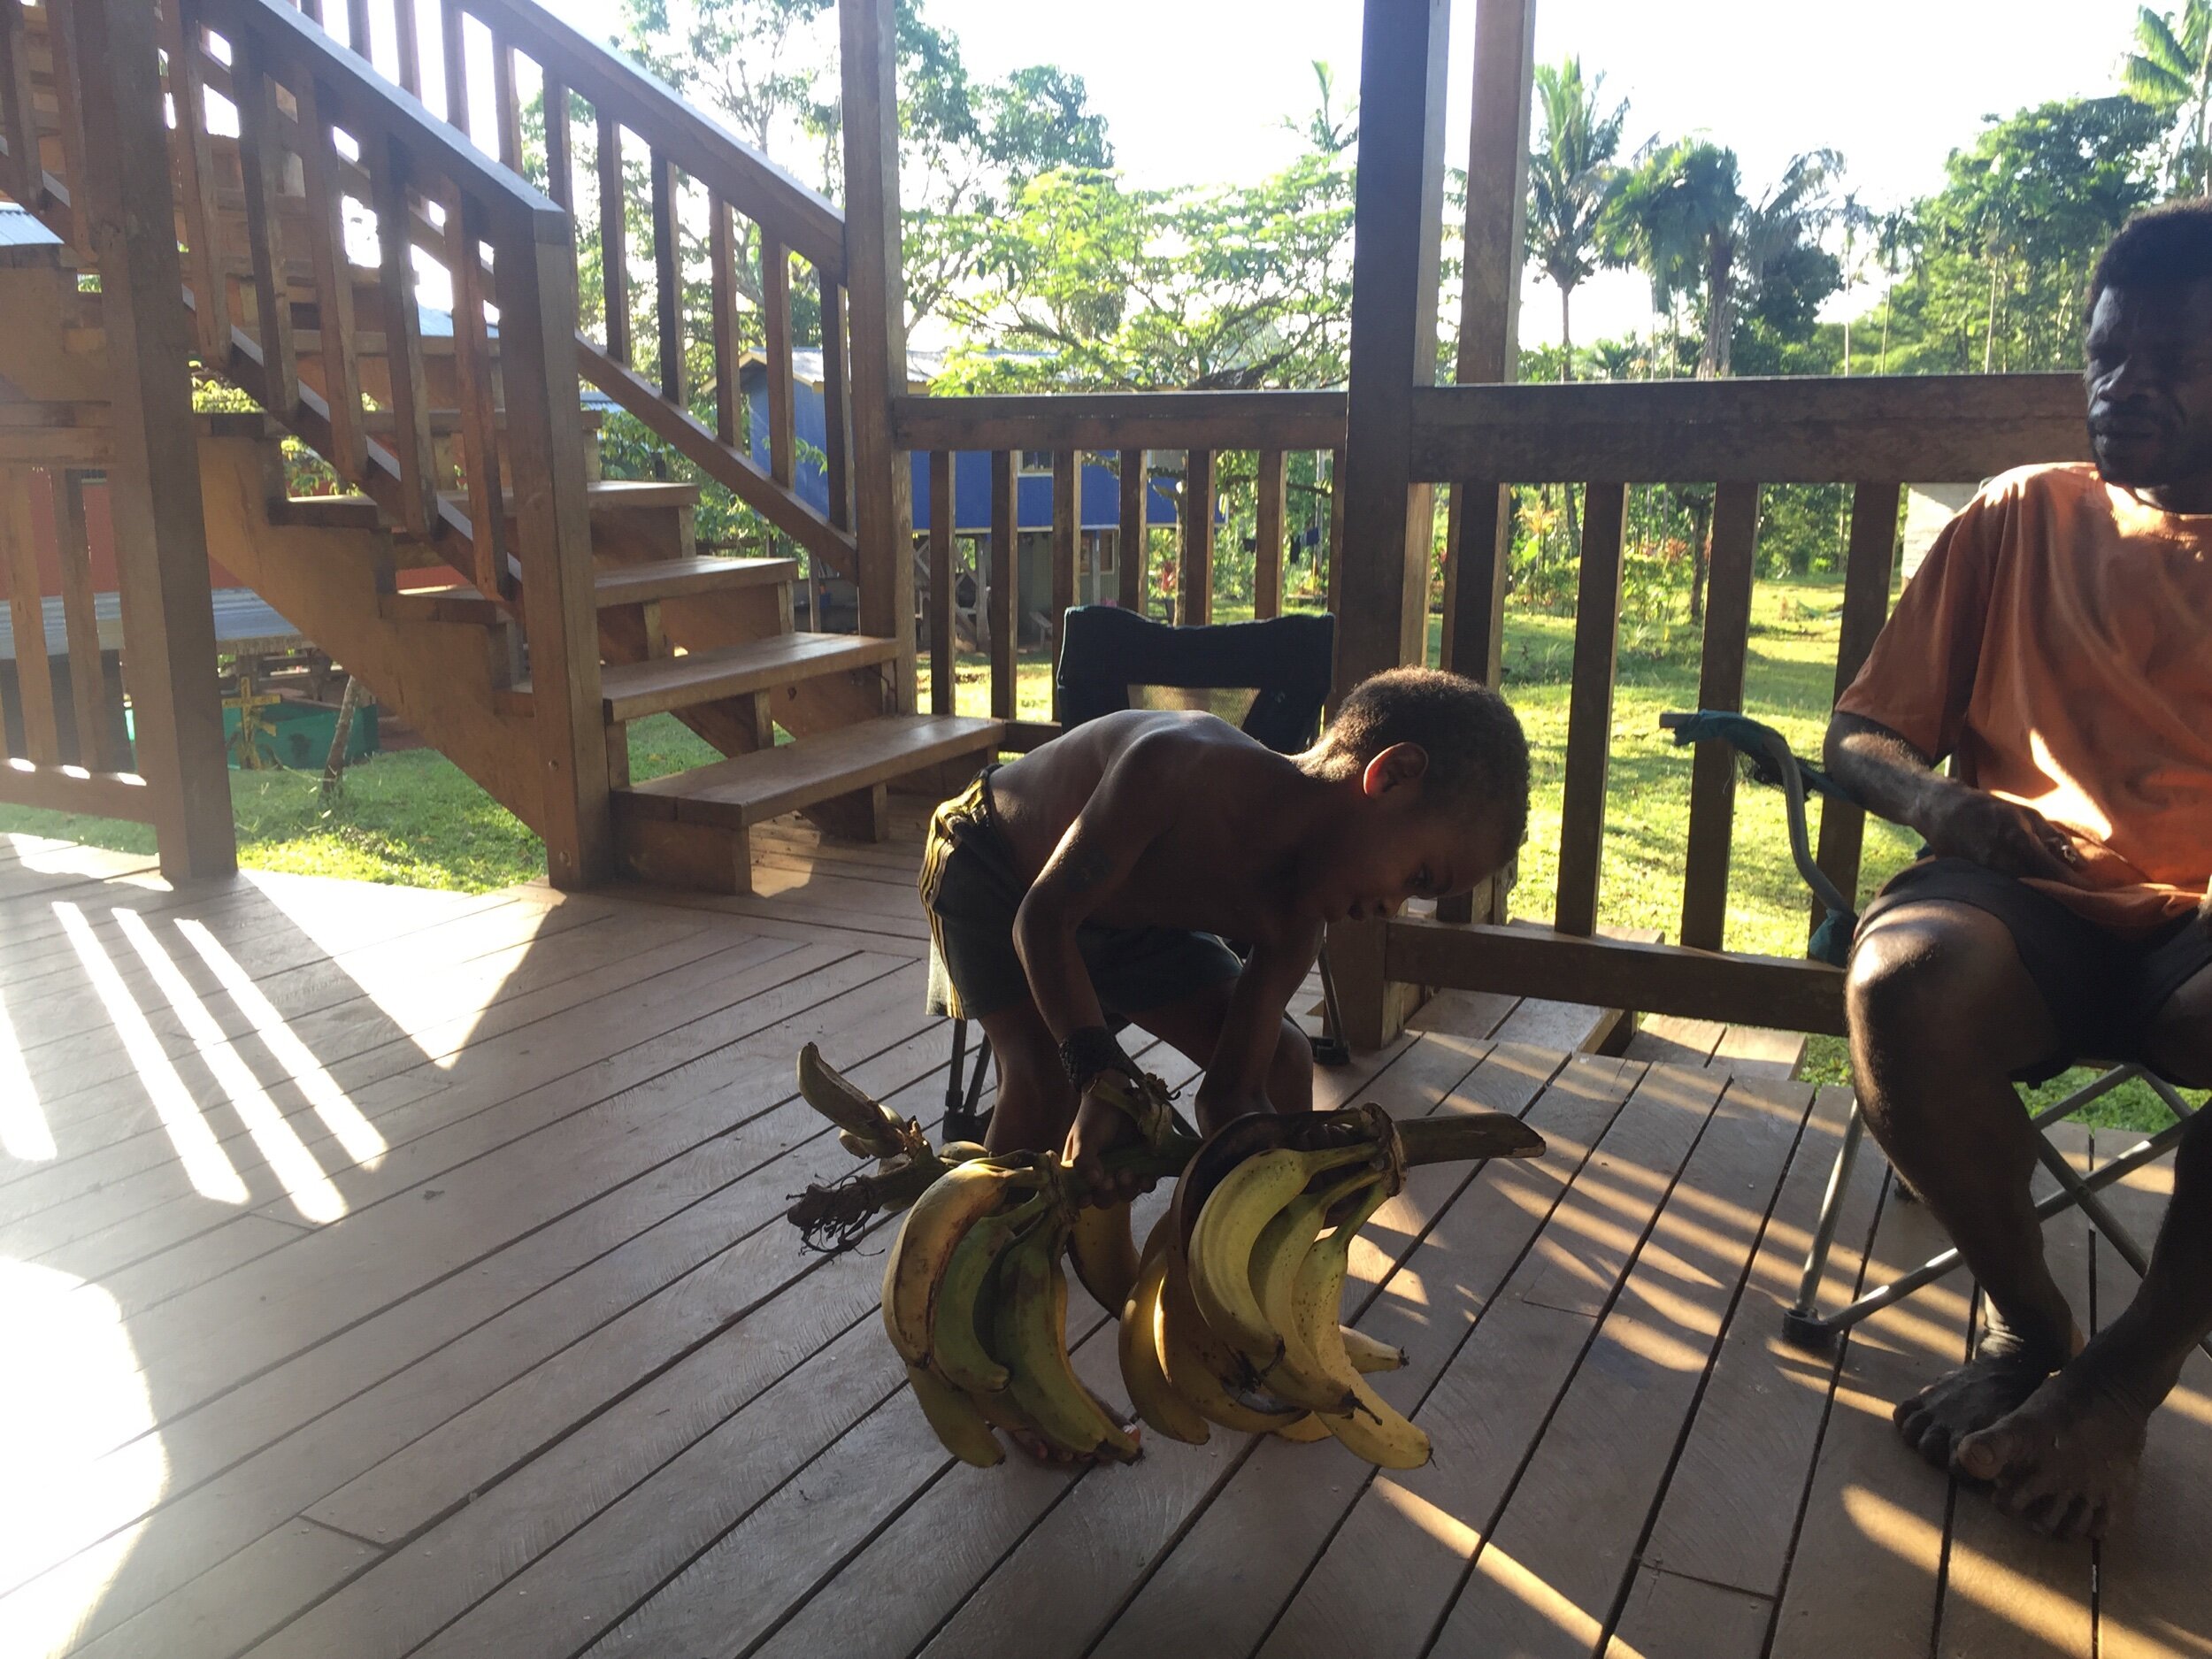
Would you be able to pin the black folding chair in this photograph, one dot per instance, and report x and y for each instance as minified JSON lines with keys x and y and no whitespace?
{"x":1269,"y":678}
{"x":1769,"y":760}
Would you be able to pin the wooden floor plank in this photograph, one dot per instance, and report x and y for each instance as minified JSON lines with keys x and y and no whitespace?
{"x":1392,"y":1569}
{"x":2154,"y":1597}
{"x":1558,"y":1559}
{"x":1121,"y":1524}
{"x":1869,"y":1550}
{"x":1665,"y":1040}
{"x":1733,"y":1501}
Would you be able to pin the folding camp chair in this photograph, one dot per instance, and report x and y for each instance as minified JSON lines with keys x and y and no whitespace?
{"x":1768,"y":760}
{"x":1269,"y":678}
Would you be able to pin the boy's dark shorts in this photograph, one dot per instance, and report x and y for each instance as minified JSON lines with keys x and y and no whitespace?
{"x":971,"y":888}
{"x":2103,"y":988}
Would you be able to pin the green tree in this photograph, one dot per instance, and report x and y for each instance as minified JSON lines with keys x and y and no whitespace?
{"x":1571,"y":179}
{"x":2171,"y":71}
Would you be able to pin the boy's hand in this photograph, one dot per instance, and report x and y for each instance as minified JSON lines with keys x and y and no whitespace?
{"x":1101,"y":1126}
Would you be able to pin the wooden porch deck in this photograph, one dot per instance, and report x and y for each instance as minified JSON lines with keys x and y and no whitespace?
{"x":389,"y":1272}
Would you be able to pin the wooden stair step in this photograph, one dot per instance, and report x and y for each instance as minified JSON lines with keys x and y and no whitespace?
{"x":633,"y":690}
{"x":359,"y":512}
{"x":748,"y":789}
{"x":625,"y":585}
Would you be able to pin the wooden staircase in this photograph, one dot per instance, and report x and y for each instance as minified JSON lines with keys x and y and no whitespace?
{"x":433,"y":579}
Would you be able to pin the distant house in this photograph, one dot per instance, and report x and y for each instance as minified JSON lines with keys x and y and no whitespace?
{"x":1098,"y":556}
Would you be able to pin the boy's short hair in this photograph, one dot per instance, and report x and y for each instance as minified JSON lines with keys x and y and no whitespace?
{"x":2168,"y":246}
{"x":1478,"y":754}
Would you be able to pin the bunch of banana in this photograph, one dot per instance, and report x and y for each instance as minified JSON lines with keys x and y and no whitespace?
{"x":976,"y":1303}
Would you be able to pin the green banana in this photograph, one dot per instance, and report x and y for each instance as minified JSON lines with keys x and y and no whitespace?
{"x":1235,"y":1214}
{"x":1163,"y":1410}
{"x":1105,"y":1253}
{"x":1374,"y":1429}
{"x":957,"y":1349}
{"x":965,"y":1431}
{"x":914,"y":1270}
{"x":1029,"y":1337}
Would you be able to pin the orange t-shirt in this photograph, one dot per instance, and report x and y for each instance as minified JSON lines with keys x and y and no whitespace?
{"x":2058,"y":642}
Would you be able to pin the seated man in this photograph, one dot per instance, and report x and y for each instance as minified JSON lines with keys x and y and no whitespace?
{"x":2057,"y":646}
{"x":1100,"y":874}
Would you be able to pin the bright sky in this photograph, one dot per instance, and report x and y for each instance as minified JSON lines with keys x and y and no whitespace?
{"x":1194,"y":91}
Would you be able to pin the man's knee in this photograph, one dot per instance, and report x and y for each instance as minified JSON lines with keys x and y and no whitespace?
{"x":1934,"y":977}
{"x":2180,"y":1041}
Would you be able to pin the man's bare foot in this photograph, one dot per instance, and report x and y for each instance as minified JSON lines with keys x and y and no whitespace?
{"x":2065,"y":1459}
{"x":1994,"y":1383}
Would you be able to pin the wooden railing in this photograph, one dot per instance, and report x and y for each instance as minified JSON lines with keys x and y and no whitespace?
{"x":1130,"y":427}
{"x":627,"y":114}
{"x":1871,"y":435}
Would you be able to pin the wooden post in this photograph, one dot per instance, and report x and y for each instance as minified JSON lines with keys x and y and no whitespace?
{"x":1135,"y":530}
{"x":722,"y":302}
{"x":943,"y":680}
{"x":1067,"y":531}
{"x":1400,"y":209}
{"x":1379,"y":587}
{"x":560,"y":165}
{"x":1267,"y":550}
{"x":614,"y":239}
{"x":154,"y":477}
{"x":261,"y":164}
{"x":883,"y":500}
{"x":1005,"y":606}
{"x":535,"y":264}
{"x":837,"y":422}
{"x":1195,"y":583}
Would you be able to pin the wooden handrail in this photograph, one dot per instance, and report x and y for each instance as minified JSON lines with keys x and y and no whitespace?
{"x":1940,"y":426}
{"x":1122,"y":420}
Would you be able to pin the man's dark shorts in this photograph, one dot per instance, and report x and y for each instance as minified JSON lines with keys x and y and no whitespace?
{"x":2103,"y":988}
{"x":971,"y":888}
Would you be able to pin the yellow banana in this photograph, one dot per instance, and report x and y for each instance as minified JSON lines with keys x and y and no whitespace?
{"x":1304,"y":1430}
{"x":1374,"y":1429}
{"x":1230,"y":1223}
{"x":1200,"y":1367}
{"x":1029,"y":1337}
{"x":956,"y":1350}
{"x":1370,"y":1353}
{"x":1162,"y":1408}
{"x":914,"y":1270}
{"x":1277,"y":1257}
{"x":871,"y":1129}
{"x":1105,"y":1253}
{"x":964,"y":1430}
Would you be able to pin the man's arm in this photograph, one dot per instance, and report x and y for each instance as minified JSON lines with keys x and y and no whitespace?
{"x":1896,"y":781}
{"x":1236,"y":1082}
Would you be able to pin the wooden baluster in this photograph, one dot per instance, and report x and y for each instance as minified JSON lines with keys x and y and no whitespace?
{"x":1005,"y":606}
{"x":1067,"y":530}
{"x":454,"y":52}
{"x":18,"y":567}
{"x":1472,"y":637}
{"x":1195,"y":583}
{"x":321,"y":171}
{"x":722,"y":302}
{"x":775,"y":322}
{"x":24,"y":179}
{"x":479,"y":419}
{"x":506,"y":105}
{"x":402,"y":345}
{"x":261,"y":164}
{"x":1336,"y":538}
{"x":408,"y":38}
{"x":837,"y":417}
{"x":196,"y":172}
{"x":1870,"y":557}
{"x":668,"y":293}
{"x":1273,"y":482}
{"x":1590,"y":708}
{"x":61,"y":43}
{"x":1136,"y":530}
{"x":312,"y":10}
{"x":614,"y":239}
{"x":1720,"y":686}
{"x":560,"y":169}
{"x":943,"y":521}
{"x":357,"y":35}
{"x":80,"y":625}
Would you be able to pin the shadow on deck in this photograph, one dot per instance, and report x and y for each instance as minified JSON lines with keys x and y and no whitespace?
{"x":401,"y":1272}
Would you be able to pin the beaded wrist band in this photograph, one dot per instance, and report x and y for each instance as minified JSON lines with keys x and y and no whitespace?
{"x":1092,"y":1051}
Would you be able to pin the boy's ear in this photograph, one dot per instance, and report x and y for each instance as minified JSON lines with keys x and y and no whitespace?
{"x":1400,"y":765}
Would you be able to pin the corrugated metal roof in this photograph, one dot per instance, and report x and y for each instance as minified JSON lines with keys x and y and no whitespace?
{"x":240,"y":615}
{"x":18,"y":229}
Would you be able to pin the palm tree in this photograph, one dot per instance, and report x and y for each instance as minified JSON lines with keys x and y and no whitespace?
{"x":1572,"y":178}
{"x":1896,"y":239}
{"x":2173,"y":71}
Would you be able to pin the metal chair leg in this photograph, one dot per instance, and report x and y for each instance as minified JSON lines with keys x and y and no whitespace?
{"x":1330,"y":1049}
{"x":1802,"y":1324}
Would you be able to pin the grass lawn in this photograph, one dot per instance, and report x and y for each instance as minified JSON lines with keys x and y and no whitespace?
{"x":414,"y":818}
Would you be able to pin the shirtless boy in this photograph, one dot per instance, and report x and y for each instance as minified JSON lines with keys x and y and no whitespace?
{"x":1099,"y":875}
{"x":2058,"y":643}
